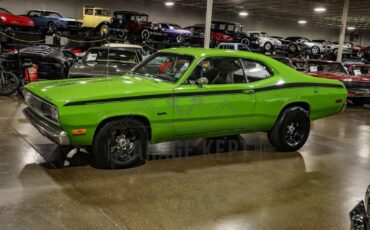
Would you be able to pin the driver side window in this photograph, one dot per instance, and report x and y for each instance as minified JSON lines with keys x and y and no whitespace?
{"x":218,"y":70}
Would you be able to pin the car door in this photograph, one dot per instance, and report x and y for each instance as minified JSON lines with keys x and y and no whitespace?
{"x":224,"y":105}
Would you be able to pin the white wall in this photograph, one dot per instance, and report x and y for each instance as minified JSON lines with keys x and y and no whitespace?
{"x":183,"y":16}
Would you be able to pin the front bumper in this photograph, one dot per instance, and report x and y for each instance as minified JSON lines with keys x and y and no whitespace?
{"x":53,"y":133}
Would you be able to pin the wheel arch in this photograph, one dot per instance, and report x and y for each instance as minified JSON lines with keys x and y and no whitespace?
{"x":140,"y":118}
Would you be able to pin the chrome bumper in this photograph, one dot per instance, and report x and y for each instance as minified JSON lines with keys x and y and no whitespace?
{"x":54,"y":134}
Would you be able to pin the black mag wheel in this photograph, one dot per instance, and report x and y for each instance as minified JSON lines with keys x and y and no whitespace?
{"x":119,"y":144}
{"x":9,"y":83}
{"x":291,"y":131}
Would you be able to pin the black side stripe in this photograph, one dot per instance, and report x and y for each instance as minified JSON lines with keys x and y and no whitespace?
{"x":297,"y":85}
{"x":205,"y":93}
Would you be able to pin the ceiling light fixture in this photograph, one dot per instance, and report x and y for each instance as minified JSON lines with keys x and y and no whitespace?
{"x":243,"y":13}
{"x":320,"y":9}
{"x":351,"y":28}
{"x":302,"y":22}
{"x":169,"y":3}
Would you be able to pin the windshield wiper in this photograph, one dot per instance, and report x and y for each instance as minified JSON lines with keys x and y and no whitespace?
{"x":153,"y":77}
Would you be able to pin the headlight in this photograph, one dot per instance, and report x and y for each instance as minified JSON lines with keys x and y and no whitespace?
{"x":27,"y":96}
{"x":41,"y":107}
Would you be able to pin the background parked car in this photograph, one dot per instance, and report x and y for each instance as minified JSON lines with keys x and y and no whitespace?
{"x":357,"y":86}
{"x":52,"y":62}
{"x":93,"y":16}
{"x":300,"y":44}
{"x":51,"y":21}
{"x":137,"y":25}
{"x":217,"y":37}
{"x":175,"y":32}
{"x":11,"y":21}
{"x":105,"y":61}
{"x":234,"y":30}
{"x":263,"y":41}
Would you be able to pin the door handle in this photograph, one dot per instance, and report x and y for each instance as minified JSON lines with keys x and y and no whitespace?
{"x":249,"y":91}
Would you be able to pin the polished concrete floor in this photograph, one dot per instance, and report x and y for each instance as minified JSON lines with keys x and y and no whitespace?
{"x":186,"y":185}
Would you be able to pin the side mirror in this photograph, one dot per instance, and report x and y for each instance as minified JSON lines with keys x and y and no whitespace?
{"x":202,"y":81}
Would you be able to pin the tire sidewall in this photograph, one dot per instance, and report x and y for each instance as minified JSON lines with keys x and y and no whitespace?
{"x":142,"y":35}
{"x":267,"y":45}
{"x":277,"y":135}
{"x":101,"y":156}
{"x":315,"y":48}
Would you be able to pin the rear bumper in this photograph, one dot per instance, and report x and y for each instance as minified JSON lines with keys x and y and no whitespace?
{"x":54,"y":134}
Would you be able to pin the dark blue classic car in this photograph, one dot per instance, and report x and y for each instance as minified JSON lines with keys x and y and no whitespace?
{"x":52,"y":21}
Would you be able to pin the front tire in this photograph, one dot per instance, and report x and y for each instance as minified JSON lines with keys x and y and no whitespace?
{"x":180,"y":39}
{"x":145,"y":35}
{"x":291,"y":131}
{"x":268,"y":47}
{"x":120,"y":144}
{"x":315,"y":50}
{"x":9,"y":83}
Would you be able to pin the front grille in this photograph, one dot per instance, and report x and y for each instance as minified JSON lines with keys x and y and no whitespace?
{"x":72,"y":23}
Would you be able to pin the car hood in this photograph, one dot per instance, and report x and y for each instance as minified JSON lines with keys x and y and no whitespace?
{"x":68,"y":19}
{"x":99,"y":69}
{"x":13,"y":17}
{"x":61,"y":92}
{"x":179,"y":31}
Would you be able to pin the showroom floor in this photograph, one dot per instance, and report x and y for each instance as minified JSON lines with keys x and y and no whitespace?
{"x":256,"y":188}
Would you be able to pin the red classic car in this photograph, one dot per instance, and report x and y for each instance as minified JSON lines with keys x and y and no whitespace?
{"x":8,"y":19}
{"x":358,"y":85}
{"x":359,"y":51}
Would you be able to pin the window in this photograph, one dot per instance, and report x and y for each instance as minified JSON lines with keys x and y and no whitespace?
{"x":231,"y":27}
{"x":103,"y":55}
{"x":105,"y":13}
{"x":164,"y":67}
{"x":243,"y":47}
{"x":34,"y":14}
{"x":255,"y":71}
{"x":89,"y":12}
{"x":218,"y":70}
{"x":4,"y":11}
{"x":52,"y":14}
{"x":222,"y":27}
{"x":328,"y":67}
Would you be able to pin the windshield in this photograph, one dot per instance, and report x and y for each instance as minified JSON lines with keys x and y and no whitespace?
{"x":174,"y":26}
{"x":164,"y":66}
{"x":326,"y":67}
{"x":52,"y":14}
{"x":4,"y":11}
{"x":105,"y":55}
{"x":361,"y":70}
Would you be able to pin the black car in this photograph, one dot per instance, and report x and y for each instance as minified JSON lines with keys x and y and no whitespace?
{"x":232,"y":29}
{"x":105,"y":61}
{"x":52,"y":62}
{"x":359,"y":215}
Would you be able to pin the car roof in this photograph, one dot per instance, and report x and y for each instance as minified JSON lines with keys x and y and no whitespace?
{"x":201,"y":52}
{"x":122,"y":45}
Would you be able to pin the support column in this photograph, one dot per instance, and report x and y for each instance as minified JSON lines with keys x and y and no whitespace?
{"x":207,"y":32}
{"x":343,"y":30}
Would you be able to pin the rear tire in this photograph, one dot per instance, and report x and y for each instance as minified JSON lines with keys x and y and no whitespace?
{"x":291,"y":131}
{"x":119,"y":144}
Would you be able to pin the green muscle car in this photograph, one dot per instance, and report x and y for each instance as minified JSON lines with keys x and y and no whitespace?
{"x":182,"y":93}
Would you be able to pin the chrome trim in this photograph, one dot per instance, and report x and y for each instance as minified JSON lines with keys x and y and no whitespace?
{"x":54,"y":134}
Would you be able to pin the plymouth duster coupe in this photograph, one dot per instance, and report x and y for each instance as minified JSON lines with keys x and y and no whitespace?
{"x":182,"y":93}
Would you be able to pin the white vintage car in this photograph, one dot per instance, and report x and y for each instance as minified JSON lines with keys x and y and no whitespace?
{"x":332,"y":47}
{"x":262,"y":40}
